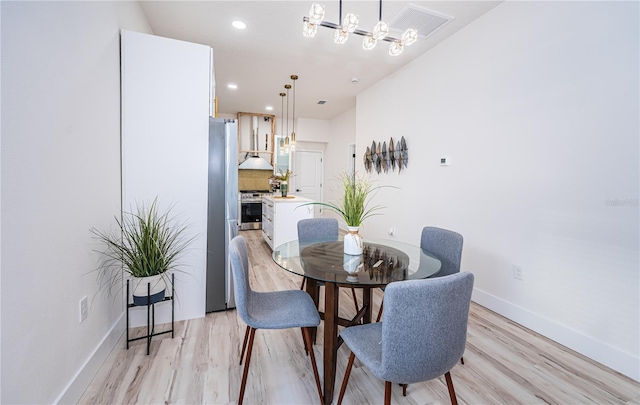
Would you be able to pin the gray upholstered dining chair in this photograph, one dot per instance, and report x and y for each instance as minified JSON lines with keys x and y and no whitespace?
{"x":318,"y":230}
{"x":269,"y":310}
{"x":422,"y":336}
{"x":446,"y":245}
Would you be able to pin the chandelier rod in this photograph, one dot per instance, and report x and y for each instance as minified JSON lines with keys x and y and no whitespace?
{"x":331,"y":25}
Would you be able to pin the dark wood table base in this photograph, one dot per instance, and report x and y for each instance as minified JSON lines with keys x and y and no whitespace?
{"x":332,"y":340}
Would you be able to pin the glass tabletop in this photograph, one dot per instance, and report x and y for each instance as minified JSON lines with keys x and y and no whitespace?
{"x":382,"y":262}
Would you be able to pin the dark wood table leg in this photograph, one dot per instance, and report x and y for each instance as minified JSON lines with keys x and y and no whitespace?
{"x":330,"y":339}
{"x":312,"y":289}
{"x":366,"y":303}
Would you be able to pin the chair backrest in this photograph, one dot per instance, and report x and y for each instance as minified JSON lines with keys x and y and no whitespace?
{"x":424,"y":331}
{"x":446,"y":245}
{"x":317,"y":230}
{"x":240,"y":269}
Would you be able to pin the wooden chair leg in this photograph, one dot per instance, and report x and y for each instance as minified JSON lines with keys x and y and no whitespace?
{"x":243,"y":384}
{"x":452,"y":392}
{"x":307,"y":341}
{"x":404,"y":389}
{"x":380,"y":312}
{"x":462,"y":360}
{"x":387,"y":392}
{"x":244,"y":343}
{"x":355,"y":300}
{"x":304,"y":280}
{"x":304,"y":340}
{"x":346,"y":378}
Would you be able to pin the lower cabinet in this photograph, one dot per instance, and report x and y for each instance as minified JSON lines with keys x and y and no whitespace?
{"x":280,"y":218}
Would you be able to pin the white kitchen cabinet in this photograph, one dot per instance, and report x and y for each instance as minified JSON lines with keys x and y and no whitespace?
{"x":166,"y":89}
{"x":280,"y":218}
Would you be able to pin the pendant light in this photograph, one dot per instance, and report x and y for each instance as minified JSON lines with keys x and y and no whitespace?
{"x":286,"y":139}
{"x":281,"y":143}
{"x":293,"y":133}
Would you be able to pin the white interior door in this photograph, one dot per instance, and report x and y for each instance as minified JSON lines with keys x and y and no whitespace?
{"x":308,"y":177}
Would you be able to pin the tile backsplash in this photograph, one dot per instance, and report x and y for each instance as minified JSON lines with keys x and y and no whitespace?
{"x":254,"y":179}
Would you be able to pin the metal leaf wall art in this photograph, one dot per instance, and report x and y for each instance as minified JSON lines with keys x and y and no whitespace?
{"x":380,"y":158}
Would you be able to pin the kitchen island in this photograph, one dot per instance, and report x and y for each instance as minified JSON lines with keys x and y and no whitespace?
{"x":280,"y":216}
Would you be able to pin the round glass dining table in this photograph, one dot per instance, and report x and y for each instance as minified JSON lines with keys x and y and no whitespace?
{"x":382,"y":262}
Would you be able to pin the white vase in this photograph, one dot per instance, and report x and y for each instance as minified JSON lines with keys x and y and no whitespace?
{"x":353,"y":243}
{"x":352,"y":264}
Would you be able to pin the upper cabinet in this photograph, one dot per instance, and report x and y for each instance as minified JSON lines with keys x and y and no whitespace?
{"x":255,"y":135}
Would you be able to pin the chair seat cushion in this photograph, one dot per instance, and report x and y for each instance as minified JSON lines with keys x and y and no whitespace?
{"x":365,"y":341}
{"x":282,"y":310}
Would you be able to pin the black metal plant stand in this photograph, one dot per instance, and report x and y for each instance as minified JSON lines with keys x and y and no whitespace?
{"x":151,"y":314}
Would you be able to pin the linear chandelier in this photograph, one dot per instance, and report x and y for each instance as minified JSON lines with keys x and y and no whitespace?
{"x":350,"y":25}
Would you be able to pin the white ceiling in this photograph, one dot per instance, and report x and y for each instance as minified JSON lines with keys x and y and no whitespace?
{"x":261,"y":58}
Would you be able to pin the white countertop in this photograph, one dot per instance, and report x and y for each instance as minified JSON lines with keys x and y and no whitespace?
{"x":276,"y":198}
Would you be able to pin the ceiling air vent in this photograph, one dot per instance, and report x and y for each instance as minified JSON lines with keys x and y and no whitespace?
{"x":426,"y":22}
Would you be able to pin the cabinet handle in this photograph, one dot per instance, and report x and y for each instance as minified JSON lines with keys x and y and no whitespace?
{"x":270,"y":205}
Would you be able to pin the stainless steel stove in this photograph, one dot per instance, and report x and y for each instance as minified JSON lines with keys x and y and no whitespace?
{"x":251,"y":208}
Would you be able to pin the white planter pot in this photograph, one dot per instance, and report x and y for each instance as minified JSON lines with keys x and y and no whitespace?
{"x":148,"y":290}
{"x":353,"y":243}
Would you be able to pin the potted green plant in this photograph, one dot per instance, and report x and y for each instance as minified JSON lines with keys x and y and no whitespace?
{"x":146,"y":246}
{"x":354,"y":207}
{"x":283,"y":179}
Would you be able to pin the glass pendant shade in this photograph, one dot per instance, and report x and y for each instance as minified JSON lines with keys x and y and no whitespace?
{"x":316,"y":13}
{"x":381,"y":30}
{"x":396,"y":48}
{"x":369,"y":43}
{"x":350,"y":22}
{"x":309,"y":30}
{"x":281,"y":146}
{"x":340,"y":37}
{"x":409,"y":37}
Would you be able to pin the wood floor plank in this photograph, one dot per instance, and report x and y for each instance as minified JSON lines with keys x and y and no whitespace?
{"x":505,"y":363}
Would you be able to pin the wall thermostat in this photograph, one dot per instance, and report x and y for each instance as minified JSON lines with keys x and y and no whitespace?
{"x":445,"y":161}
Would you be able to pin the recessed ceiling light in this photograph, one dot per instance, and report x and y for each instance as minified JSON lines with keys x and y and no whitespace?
{"x":239,"y":25}
{"x":232,"y":86}
{"x":268,"y":108}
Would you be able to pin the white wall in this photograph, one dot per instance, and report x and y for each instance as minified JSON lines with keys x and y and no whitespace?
{"x":60,"y":177}
{"x":333,"y":137}
{"x":536,"y":103}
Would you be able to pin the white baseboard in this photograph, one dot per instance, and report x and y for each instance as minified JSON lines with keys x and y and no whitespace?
{"x":616,"y":359}
{"x":81,"y":380}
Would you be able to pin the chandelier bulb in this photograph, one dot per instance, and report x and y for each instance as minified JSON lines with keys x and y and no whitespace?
{"x":316,"y":13}
{"x":309,"y":30}
{"x":350,"y":22}
{"x":340,"y":37}
{"x":381,"y":30}
{"x":396,"y":48}
{"x":409,"y":36}
{"x":369,"y":42}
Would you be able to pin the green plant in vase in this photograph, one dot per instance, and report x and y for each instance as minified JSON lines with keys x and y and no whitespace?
{"x":145,"y":247}
{"x":354,"y":206}
{"x":283,"y":179}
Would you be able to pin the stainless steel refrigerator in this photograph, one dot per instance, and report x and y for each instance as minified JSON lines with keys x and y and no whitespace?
{"x":222,"y":221}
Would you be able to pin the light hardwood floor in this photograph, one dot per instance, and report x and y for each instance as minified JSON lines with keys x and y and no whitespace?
{"x":504,"y":363}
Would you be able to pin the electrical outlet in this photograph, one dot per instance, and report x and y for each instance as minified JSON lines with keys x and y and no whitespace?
{"x":518,"y":273}
{"x":84,"y":309}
